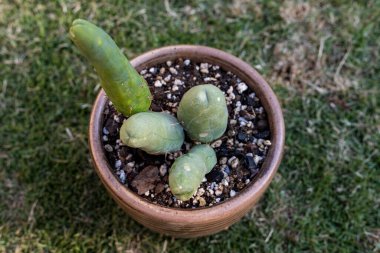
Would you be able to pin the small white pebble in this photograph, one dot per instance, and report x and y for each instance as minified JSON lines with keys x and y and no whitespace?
{"x":178,"y":82}
{"x":169,"y":63}
{"x":116,"y":118}
{"x":173,"y":71}
{"x":175,"y":88}
{"x":163,"y":170}
{"x":217,"y":75}
{"x":230,"y":90}
{"x":195,"y":202}
{"x":187,"y":62}
{"x":147,"y":193}
{"x":259,"y":110}
{"x":117,"y":164}
{"x":247,"y":181}
{"x":204,"y":180}
{"x":233,"y":122}
{"x":204,"y":66}
{"x":209,"y":79}
{"x":218,"y":192}
{"x":162,"y":71}
{"x":215,"y":67}
{"x":105,"y":138}
{"x":267,"y":143}
{"x":216,"y":144}
{"x":225,"y":182}
{"x":157,"y":83}
{"x":200,"y":192}
{"x":108,"y":147}
{"x":217,"y":200}
{"x":169,"y":96}
{"x":242,"y":121}
{"x":167,"y":78}
{"x":122,"y":176}
{"x":211,"y":191}
{"x":232,"y":193}
{"x":131,"y":164}
{"x":105,"y":131}
{"x":257,"y":159}
{"x":143,"y":72}
{"x":153,"y":70}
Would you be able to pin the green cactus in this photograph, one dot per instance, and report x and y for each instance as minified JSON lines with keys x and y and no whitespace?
{"x":203,"y":113}
{"x":127,"y":90}
{"x":154,"y":132}
{"x":188,"y":170}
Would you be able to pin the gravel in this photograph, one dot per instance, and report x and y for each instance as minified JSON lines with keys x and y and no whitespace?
{"x":240,"y":151}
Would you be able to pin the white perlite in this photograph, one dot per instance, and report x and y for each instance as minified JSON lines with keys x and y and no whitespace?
{"x":241,"y":87}
{"x":157,"y":83}
{"x":187,"y":62}
{"x":204,"y":68}
{"x":173,"y":71}
{"x":175,"y":88}
{"x":218,"y":192}
{"x":232,"y":193}
{"x":122,"y":176}
{"x":167,"y":78}
{"x":178,"y":82}
{"x":163,"y":170}
{"x":118,"y":164}
{"x":153,"y":70}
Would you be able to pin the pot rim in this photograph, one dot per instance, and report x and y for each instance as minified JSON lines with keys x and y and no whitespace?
{"x":243,"y":198}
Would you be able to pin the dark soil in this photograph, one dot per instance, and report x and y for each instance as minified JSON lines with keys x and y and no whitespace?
{"x":240,"y":151}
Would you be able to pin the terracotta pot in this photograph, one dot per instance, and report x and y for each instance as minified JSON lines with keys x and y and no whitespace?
{"x":200,"y":221}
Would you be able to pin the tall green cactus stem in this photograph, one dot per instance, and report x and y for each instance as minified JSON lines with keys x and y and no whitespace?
{"x":127,"y":90}
{"x":203,"y":113}
{"x":154,"y":132}
{"x":188,"y":170}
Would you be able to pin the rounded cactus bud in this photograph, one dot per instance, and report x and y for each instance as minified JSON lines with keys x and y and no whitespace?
{"x":188,"y":170}
{"x":203,"y":113}
{"x":153,"y":132}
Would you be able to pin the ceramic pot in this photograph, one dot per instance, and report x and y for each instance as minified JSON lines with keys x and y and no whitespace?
{"x":203,"y":220}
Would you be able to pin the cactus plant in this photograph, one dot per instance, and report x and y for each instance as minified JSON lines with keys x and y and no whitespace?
{"x":153,"y":132}
{"x":127,"y":90}
{"x":188,"y":170}
{"x":203,"y":113}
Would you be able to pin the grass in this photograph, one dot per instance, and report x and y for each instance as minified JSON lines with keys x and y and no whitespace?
{"x":321,"y":58}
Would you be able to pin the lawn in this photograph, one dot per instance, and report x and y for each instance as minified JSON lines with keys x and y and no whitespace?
{"x":322,"y":58}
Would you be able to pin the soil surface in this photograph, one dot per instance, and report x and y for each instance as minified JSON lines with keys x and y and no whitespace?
{"x":240,"y":151}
